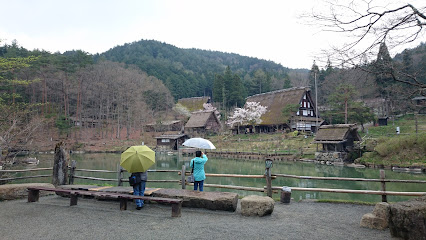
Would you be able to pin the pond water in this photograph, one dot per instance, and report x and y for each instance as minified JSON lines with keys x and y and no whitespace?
{"x":109,"y":161}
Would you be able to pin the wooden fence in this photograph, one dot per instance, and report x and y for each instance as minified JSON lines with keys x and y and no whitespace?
{"x":268,"y":176}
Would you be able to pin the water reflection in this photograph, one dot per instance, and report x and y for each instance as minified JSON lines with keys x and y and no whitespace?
{"x":217,"y":165}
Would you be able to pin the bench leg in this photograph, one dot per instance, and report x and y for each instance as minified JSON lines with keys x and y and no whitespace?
{"x":33,"y":195}
{"x":123,"y":204}
{"x":73,"y":198}
{"x":176,"y":209}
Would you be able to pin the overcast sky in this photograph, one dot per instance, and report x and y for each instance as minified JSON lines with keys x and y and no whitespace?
{"x":269,"y":29}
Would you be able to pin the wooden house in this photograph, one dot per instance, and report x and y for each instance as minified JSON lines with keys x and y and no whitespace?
{"x":305,"y":118}
{"x":337,"y":141}
{"x":170,"y":142}
{"x":201,"y":123}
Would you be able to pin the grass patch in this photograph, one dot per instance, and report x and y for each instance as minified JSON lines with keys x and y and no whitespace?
{"x":404,"y":151}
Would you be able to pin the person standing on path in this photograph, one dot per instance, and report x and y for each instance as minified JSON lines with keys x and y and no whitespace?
{"x":139,"y":187}
{"x":197,"y":164}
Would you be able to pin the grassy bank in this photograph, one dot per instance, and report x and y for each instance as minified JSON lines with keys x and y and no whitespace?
{"x":287,"y":143}
{"x":407,"y":149}
{"x":384,"y":146}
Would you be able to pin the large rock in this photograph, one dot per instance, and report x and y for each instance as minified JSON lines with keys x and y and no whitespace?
{"x":379,"y":219}
{"x":210,"y":200}
{"x":17,"y":191}
{"x":408,"y":219}
{"x":254,"y":205}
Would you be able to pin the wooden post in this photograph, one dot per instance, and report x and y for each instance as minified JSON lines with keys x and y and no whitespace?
{"x":33,"y":195}
{"x":72,"y":172}
{"x":382,"y":177}
{"x":177,"y":209}
{"x":119,"y":175}
{"x":60,"y":165}
{"x":183,"y":177}
{"x":268,"y":165}
{"x":123,"y":204}
{"x":73,"y":198}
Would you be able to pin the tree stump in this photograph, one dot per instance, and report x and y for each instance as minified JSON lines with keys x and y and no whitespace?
{"x":60,"y":165}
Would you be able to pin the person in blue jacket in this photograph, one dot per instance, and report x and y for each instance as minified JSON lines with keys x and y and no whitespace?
{"x":197,"y":164}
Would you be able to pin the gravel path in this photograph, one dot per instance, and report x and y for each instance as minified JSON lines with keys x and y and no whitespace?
{"x":53,"y":218}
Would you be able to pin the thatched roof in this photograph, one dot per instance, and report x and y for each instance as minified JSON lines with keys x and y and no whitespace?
{"x":194,"y":103}
{"x":276,"y":101}
{"x":164,"y":123}
{"x":337,"y":133}
{"x":199,"y":119}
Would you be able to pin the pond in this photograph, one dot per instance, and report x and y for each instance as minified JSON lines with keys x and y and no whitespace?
{"x":109,"y":161}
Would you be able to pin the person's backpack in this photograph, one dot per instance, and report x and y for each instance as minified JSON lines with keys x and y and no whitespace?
{"x":135,"y":179}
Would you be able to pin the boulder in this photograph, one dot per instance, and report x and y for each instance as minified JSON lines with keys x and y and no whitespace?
{"x":379,"y":219}
{"x":370,"y":220}
{"x":17,"y":191}
{"x":407,"y":220}
{"x":254,"y":205}
{"x":210,"y":200}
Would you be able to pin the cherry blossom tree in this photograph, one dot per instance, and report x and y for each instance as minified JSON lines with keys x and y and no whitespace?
{"x":250,"y":114}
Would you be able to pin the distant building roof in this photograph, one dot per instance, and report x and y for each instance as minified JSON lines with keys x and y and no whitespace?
{"x":194,"y":103}
{"x":337,"y":133}
{"x":199,"y":119}
{"x":166,"y":136}
{"x":164,"y":123}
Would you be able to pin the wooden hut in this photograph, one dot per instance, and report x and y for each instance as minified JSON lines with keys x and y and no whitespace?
{"x":201,"y":123}
{"x":305,"y":118}
{"x":337,"y":141}
{"x":167,"y":142}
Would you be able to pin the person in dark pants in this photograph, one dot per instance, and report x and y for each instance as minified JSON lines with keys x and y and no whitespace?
{"x":139,"y":188}
{"x":197,"y":164}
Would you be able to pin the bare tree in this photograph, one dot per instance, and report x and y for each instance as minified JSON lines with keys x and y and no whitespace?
{"x":369,"y":25}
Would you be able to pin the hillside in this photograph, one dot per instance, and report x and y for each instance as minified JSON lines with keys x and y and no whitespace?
{"x":191,"y":72}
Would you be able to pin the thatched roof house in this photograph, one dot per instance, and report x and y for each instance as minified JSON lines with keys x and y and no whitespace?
{"x":194,"y":103}
{"x":338,"y":137}
{"x":202,"y":122}
{"x":276,"y":101}
{"x":337,"y":142}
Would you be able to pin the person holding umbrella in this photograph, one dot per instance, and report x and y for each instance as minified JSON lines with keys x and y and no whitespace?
{"x":197,"y":165}
{"x":139,"y":187}
{"x":137,"y":160}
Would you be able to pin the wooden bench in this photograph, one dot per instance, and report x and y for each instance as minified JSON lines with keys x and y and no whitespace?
{"x":34,"y":194}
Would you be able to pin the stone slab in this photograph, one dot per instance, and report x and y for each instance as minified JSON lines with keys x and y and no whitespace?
{"x":225,"y":201}
{"x":17,"y":191}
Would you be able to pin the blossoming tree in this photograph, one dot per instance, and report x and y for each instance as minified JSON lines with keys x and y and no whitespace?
{"x":250,"y":114}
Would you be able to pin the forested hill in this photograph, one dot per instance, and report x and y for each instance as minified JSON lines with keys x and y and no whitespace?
{"x":191,"y":72}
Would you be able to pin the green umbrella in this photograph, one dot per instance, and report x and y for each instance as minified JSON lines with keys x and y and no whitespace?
{"x":137,"y":158}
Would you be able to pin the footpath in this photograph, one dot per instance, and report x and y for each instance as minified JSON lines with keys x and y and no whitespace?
{"x":53,"y":218}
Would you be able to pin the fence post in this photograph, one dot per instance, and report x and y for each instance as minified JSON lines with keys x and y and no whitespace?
{"x":382,"y":177}
{"x":182,"y":174}
{"x":268,"y":165}
{"x":72,"y":172}
{"x":119,"y":175}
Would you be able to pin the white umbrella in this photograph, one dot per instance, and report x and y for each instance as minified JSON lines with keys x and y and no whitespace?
{"x":199,"y":143}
